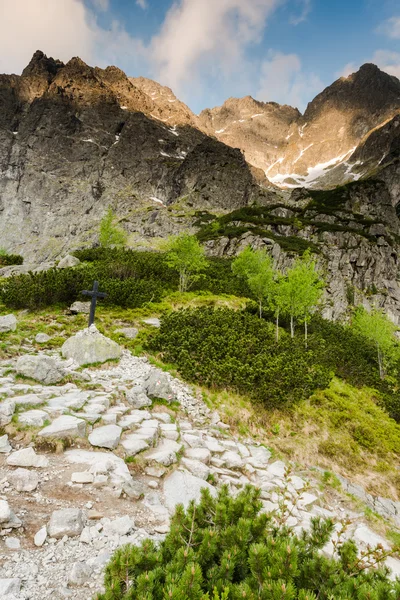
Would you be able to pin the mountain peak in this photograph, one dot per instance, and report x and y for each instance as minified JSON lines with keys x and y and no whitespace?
{"x":40,"y":65}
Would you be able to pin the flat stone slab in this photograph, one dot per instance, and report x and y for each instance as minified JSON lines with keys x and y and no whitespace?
{"x":133,"y":444}
{"x":107,"y":436}
{"x":27,"y":457}
{"x":33,"y":418}
{"x":201,"y":454}
{"x":28,"y":399}
{"x":64,"y":427}
{"x":164,"y":454}
{"x":5,"y":446}
{"x":101,"y":462}
{"x":129,"y":332}
{"x":89,"y":346}
{"x":181,"y":487}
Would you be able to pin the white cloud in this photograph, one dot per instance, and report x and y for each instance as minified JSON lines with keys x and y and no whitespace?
{"x":62,"y":29}
{"x":210,"y":35}
{"x":283,"y":80}
{"x":102,"y":5}
{"x":388,"y":61}
{"x":347,"y":70}
{"x":306,"y":9}
{"x":142,"y":3}
{"x":390,"y":28}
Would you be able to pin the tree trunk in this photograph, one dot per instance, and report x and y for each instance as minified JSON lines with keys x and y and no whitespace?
{"x":277,"y":327}
{"x":382,"y":372}
{"x":292,"y":326}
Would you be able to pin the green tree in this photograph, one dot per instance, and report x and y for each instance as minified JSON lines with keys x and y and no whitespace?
{"x":186,"y":255}
{"x":256,"y":267}
{"x":378,"y":328}
{"x":301,"y":291}
{"x":111,"y":234}
{"x":227,"y":548}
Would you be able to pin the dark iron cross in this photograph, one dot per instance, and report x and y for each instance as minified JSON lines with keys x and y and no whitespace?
{"x":94,"y":293}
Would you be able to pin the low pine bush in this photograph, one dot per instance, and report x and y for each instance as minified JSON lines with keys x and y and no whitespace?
{"x":225,"y":548}
{"x":236,"y":350}
{"x":7,"y":260}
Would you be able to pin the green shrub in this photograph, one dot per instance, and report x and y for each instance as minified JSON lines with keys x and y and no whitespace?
{"x":227,"y":349}
{"x":7,"y":260}
{"x":226,"y":548}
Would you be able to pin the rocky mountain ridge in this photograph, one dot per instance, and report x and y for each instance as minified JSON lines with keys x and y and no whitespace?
{"x":76,"y":139}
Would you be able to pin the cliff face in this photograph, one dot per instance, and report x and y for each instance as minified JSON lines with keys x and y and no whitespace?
{"x":76,"y":139}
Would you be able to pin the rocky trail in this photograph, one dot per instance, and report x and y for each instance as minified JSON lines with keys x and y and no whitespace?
{"x":101,"y":462}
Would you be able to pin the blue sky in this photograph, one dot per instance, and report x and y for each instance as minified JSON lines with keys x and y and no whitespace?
{"x":208,"y":50}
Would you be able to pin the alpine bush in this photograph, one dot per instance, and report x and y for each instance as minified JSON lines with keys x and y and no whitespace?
{"x":228,"y":349}
{"x":225,"y":548}
{"x":7,"y":260}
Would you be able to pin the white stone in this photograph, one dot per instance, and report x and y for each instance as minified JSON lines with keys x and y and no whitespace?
{"x":40,"y":537}
{"x":158,"y":386}
{"x":137,"y":398}
{"x":7,"y":408}
{"x":107,"y":436}
{"x":153,"y":321}
{"x":31,"y":399}
{"x":40,"y":367}
{"x":5,"y":446}
{"x":363,"y":535}
{"x":277,"y":469}
{"x":13,"y":543}
{"x":24,"y":480}
{"x":164,"y":454}
{"x":9,"y":586}
{"x":42,"y":338}
{"x":197,"y":468}
{"x":67,"y":521}
{"x":68,"y":261}
{"x":163,"y":417}
{"x":65,"y":426}
{"x":232,"y":460}
{"x":27,"y":457}
{"x":8,"y":323}
{"x":181,"y":487}
{"x":201,"y":454}
{"x":133,"y":444}
{"x":120,"y":526}
{"x":90,"y":346}
{"x":82,"y":477}
{"x":33,"y":418}
{"x":101,"y":462}
{"x":260,"y":456}
{"x":79,"y":574}
{"x":5,"y":511}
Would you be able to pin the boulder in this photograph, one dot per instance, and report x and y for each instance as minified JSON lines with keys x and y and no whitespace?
{"x":158,"y":386}
{"x":23,"y":480}
{"x":137,"y":398}
{"x":80,"y":308}
{"x":5,"y":446}
{"x":232,"y":460}
{"x":129,"y":332}
{"x":68,"y":261}
{"x":41,"y":368}
{"x":67,"y":521}
{"x":181,"y":487}
{"x":107,"y":436}
{"x":42,"y":338}
{"x":65,"y":427}
{"x":197,"y":468}
{"x":259,"y":456}
{"x":8,"y":323}
{"x":119,"y":526}
{"x":90,"y":346}
{"x":201,"y":454}
{"x":27,"y":457}
{"x":80,"y":573}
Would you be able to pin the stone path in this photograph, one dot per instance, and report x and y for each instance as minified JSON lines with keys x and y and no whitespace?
{"x":127,"y":461}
